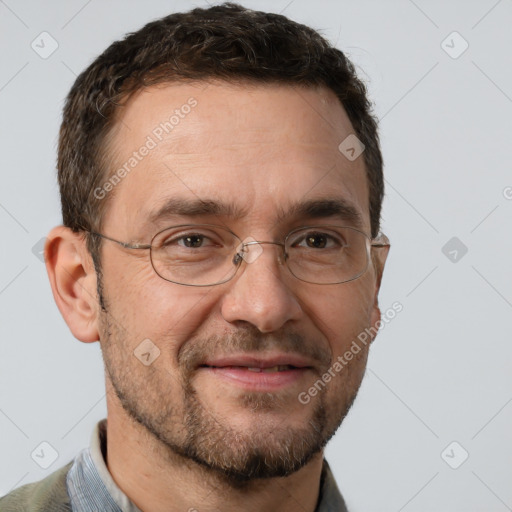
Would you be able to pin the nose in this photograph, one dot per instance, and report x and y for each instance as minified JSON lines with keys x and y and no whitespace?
{"x":258,"y":294}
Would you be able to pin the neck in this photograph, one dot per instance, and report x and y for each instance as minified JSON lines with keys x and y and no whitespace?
{"x":157,"y":480}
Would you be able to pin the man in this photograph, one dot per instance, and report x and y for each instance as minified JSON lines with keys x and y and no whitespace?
{"x":221,"y":185}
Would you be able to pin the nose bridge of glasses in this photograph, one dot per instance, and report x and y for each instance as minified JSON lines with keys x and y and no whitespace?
{"x":250,"y":250}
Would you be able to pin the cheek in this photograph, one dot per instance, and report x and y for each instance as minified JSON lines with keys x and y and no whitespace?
{"x":147,"y":306}
{"x":343,"y":312}
{"x":344,"y":318}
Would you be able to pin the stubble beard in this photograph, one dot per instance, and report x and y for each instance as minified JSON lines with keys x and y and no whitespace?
{"x":191,"y":431}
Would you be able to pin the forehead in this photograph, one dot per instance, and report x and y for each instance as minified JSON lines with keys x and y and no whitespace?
{"x":257,"y":147}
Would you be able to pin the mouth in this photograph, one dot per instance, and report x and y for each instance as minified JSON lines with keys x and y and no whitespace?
{"x":256,"y":369}
{"x":254,"y":373}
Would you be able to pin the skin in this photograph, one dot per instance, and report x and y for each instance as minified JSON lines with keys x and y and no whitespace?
{"x":261,"y":147}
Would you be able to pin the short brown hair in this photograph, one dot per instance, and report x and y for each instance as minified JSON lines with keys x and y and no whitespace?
{"x":227,"y":42}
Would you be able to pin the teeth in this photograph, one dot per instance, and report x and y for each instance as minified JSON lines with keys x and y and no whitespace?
{"x":277,"y":368}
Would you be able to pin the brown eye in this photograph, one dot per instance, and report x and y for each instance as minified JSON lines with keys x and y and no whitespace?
{"x":192,"y":240}
{"x":317,"y":241}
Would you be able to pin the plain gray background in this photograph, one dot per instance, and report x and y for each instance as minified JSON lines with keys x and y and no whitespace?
{"x":440,"y":371}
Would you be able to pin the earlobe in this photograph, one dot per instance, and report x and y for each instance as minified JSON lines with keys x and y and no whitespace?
{"x":375,"y":320}
{"x":73,"y":281}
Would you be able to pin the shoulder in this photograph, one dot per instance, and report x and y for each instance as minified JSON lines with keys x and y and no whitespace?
{"x":47,"y":494}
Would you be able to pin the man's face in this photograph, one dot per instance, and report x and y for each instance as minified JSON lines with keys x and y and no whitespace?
{"x":260,"y":149}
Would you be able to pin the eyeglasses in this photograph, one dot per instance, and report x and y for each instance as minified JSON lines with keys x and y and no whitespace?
{"x":208,"y":254}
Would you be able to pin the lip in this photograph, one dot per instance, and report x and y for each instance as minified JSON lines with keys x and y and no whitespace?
{"x":260,"y":361}
{"x":234,"y":369}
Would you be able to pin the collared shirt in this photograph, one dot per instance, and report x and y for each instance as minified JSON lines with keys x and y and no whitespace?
{"x":92,"y":489}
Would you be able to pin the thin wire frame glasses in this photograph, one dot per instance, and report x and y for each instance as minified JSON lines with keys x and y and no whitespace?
{"x":209,"y":255}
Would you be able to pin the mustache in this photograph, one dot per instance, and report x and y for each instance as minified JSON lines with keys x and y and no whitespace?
{"x":195,"y":352}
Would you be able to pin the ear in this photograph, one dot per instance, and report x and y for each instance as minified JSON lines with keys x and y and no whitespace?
{"x":73,"y":281}
{"x":379,"y":257}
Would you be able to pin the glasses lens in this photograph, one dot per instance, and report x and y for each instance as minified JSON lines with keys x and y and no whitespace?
{"x":205,"y":255}
{"x":327,"y":254}
{"x":197,"y":255}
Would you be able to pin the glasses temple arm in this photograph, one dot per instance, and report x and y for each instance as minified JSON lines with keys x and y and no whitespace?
{"x":122,"y":244}
{"x":381,"y":240}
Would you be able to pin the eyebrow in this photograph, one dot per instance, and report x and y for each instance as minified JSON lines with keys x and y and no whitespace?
{"x":312,"y":209}
{"x":325,"y":207}
{"x":197,"y":208}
